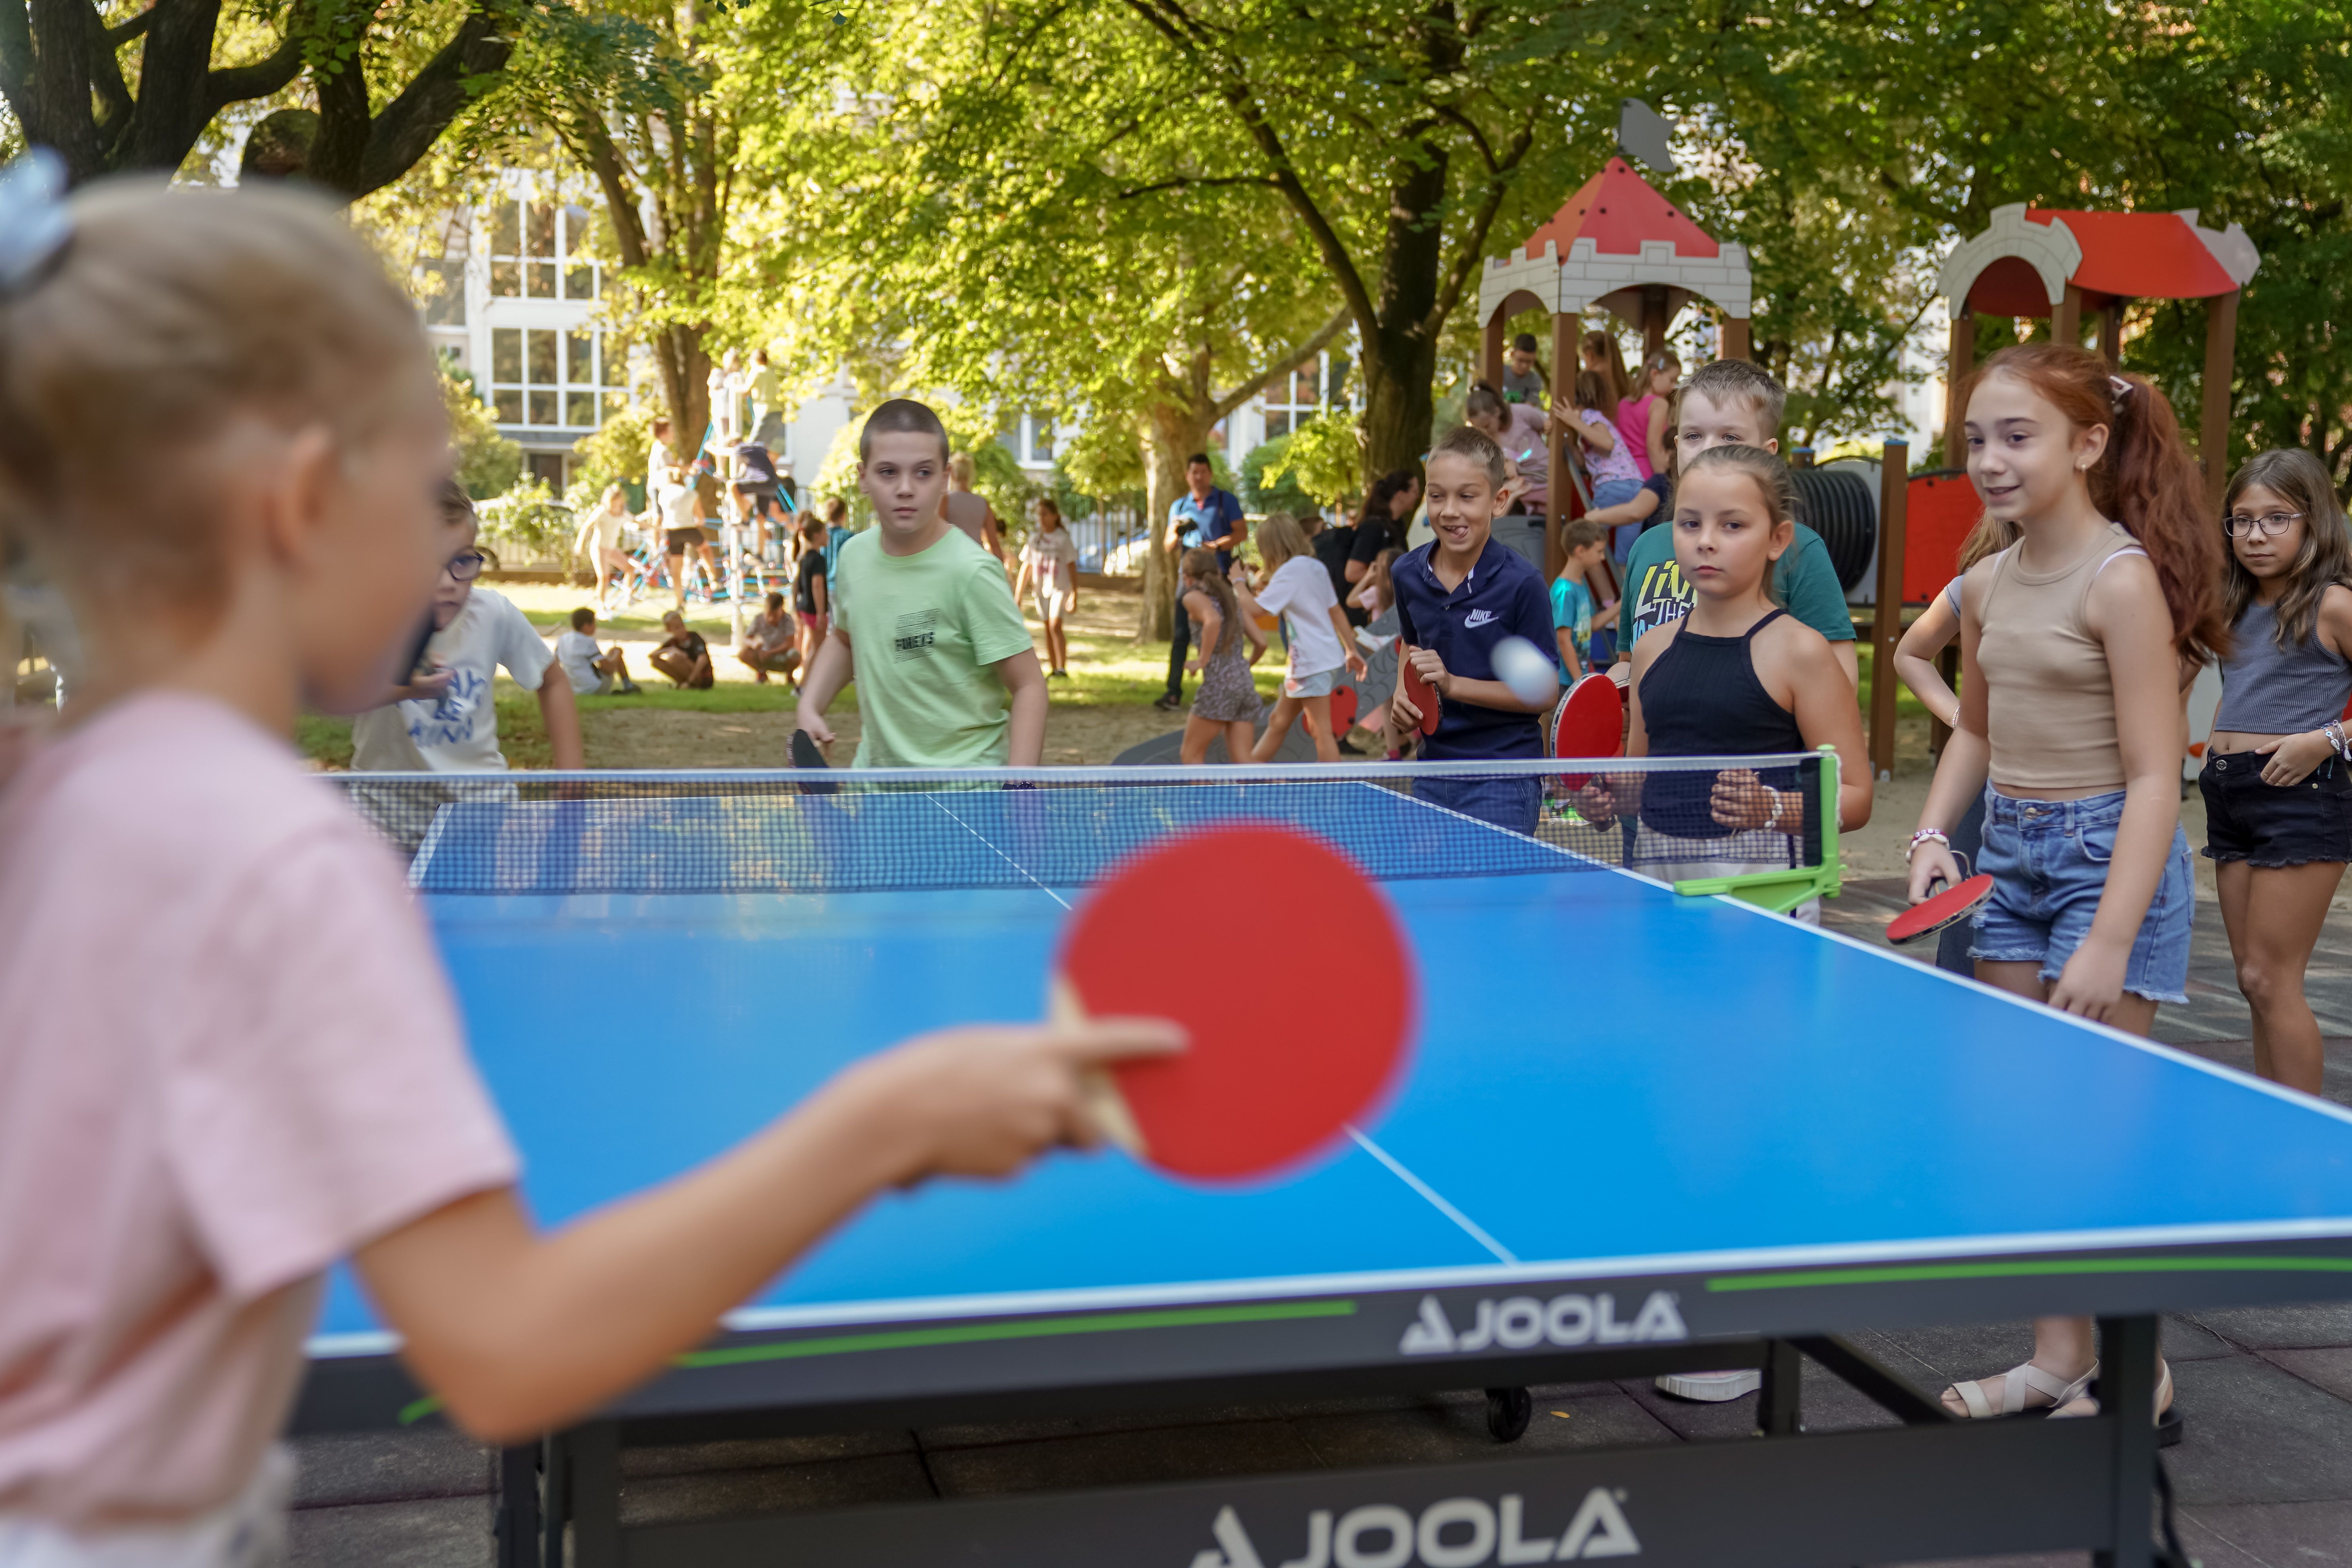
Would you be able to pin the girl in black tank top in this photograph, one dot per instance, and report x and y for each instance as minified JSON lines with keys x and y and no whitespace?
{"x":1701,"y":698}
{"x":1737,"y":675}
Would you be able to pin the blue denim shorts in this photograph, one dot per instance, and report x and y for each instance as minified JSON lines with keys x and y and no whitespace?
{"x":1613,"y":493}
{"x":1512,"y":801}
{"x":2049,"y":865}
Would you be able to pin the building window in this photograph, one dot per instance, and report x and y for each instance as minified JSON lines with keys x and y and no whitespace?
{"x":1293,"y":398}
{"x":566,"y":380}
{"x":539,"y":251}
{"x":1030,"y":439}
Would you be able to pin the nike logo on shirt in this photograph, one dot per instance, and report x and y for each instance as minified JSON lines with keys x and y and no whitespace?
{"x":1476,"y":618}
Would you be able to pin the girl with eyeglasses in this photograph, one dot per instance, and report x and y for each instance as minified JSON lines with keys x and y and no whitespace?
{"x":2278,"y":770}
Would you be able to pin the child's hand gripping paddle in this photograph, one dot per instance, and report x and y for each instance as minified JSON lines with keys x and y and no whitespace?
{"x":1420,"y":693}
{"x":1343,"y":712}
{"x":1589,"y":722}
{"x":1951,"y":907}
{"x":1273,"y":1073}
{"x":806,"y":753}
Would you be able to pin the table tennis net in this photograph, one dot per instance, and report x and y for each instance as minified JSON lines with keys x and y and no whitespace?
{"x":874,"y":831}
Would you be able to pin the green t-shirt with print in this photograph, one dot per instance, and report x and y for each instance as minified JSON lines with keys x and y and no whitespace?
{"x":1656,"y":595}
{"x":926,"y":631}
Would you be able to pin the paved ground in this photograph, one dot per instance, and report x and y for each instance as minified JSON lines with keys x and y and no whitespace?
{"x":2265,"y":1477}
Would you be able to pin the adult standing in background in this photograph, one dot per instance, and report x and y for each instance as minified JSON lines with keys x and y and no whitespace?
{"x":1333,"y":544}
{"x":1204,"y":517}
{"x":1384,"y":521}
{"x":966,"y":509}
{"x":1523,"y":377}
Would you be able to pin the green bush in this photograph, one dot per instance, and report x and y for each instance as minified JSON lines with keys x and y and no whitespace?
{"x":487,"y":464}
{"x":1281,"y":493}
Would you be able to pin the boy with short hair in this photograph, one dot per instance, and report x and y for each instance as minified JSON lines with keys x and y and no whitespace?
{"x":683,"y":655}
{"x":592,"y":671}
{"x":1456,"y":597}
{"x":1574,"y":603}
{"x":924,"y":621}
{"x":445,"y":721}
{"x":1730,"y":401}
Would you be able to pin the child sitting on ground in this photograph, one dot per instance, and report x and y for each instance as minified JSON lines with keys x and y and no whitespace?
{"x":683,"y":655}
{"x":286,"y":1084}
{"x":445,"y":722}
{"x":592,"y":671}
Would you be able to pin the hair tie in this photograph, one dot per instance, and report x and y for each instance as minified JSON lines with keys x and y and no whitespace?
{"x":2119,"y":386}
{"x":34,"y":224}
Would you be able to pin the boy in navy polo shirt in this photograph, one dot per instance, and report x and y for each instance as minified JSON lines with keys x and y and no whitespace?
{"x":1456,"y":597}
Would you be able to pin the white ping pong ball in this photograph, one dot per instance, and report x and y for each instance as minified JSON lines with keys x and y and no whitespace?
{"x":1521,"y":666}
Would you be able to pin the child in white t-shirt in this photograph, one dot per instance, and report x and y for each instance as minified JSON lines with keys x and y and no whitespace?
{"x":1299,"y":591}
{"x":591,"y":670}
{"x":287,"y":1083}
{"x":446,"y":721}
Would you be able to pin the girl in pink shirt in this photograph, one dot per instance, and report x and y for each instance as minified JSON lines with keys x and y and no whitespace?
{"x":231,"y":1057}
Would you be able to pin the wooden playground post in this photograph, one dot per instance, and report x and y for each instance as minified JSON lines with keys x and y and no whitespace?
{"x":2213,"y":429}
{"x":1887,"y":616}
{"x":1963,"y":360}
{"x":1493,"y":357}
{"x":2111,"y":334}
{"x":1735,"y":339}
{"x":1653,"y":320}
{"x":2066,"y":319}
{"x":1562,"y":390}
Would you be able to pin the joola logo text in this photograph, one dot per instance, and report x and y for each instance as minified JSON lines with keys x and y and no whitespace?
{"x":1518,"y":1322}
{"x":1459,"y":1532}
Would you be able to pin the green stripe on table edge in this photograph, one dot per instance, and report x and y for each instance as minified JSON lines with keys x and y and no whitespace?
{"x":2022,"y":1268}
{"x":979,"y":1334}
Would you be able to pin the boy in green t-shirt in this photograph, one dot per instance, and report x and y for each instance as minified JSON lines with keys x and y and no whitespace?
{"x":1726,"y":402}
{"x":923,"y":621}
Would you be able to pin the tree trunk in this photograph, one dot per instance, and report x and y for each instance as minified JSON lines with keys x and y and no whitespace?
{"x":1171,"y":434}
{"x":1400,"y":342}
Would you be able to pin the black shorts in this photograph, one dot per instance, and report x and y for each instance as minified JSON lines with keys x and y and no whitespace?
{"x":680,"y":539}
{"x":2275,"y":825}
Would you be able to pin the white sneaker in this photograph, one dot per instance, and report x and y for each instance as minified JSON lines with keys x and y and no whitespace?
{"x":1714,"y":1387}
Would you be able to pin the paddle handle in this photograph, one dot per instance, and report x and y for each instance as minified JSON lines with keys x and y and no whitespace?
{"x":1106,"y":1107}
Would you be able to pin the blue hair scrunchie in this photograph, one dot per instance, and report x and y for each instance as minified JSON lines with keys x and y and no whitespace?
{"x":33,"y":223}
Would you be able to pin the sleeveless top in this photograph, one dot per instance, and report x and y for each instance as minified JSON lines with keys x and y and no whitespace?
{"x":1633,"y":429}
{"x":2267,"y":689}
{"x":1702,"y":699}
{"x":2051,"y":699}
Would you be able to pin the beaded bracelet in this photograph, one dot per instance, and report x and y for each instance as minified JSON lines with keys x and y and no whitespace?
{"x":1922,"y":836}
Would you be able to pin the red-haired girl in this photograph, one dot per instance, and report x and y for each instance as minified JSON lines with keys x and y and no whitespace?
{"x":2076,"y":644}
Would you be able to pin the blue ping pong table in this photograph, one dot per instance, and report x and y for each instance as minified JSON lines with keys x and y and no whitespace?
{"x":1639,"y":1133}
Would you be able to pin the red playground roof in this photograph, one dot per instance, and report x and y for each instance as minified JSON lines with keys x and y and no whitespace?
{"x":1617,"y":210}
{"x":2139,"y":256}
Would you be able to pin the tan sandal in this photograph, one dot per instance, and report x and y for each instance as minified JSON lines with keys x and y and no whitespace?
{"x":2167,"y":1421}
{"x":2015,"y":1384}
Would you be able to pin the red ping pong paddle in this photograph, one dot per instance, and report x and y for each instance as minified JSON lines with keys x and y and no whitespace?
{"x":1949,"y":907}
{"x":1343,"y":710}
{"x":1589,"y":722}
{"x":1273,"y":1074}
{"x":1418,"y":692}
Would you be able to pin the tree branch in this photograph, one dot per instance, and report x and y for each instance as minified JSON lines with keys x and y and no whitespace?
{"x":1284,"y":176}
{"x":236,"y":84}
{"x":1474,"y":244}
{"x":1184,"y":182}
{"x":123,"y":32}
{"x":1314,"y":343}
{"x":434,"y":97}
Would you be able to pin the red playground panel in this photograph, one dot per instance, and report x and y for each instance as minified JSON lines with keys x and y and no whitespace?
{"x":1940,"y":510}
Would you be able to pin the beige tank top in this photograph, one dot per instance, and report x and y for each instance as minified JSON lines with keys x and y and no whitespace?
{"x":2051,"y":702}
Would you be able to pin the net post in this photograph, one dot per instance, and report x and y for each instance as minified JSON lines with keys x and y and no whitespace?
{"x":1781,"y":891}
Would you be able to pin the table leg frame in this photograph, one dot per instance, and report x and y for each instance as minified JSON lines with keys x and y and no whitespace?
{"x":1936,"y":1486}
